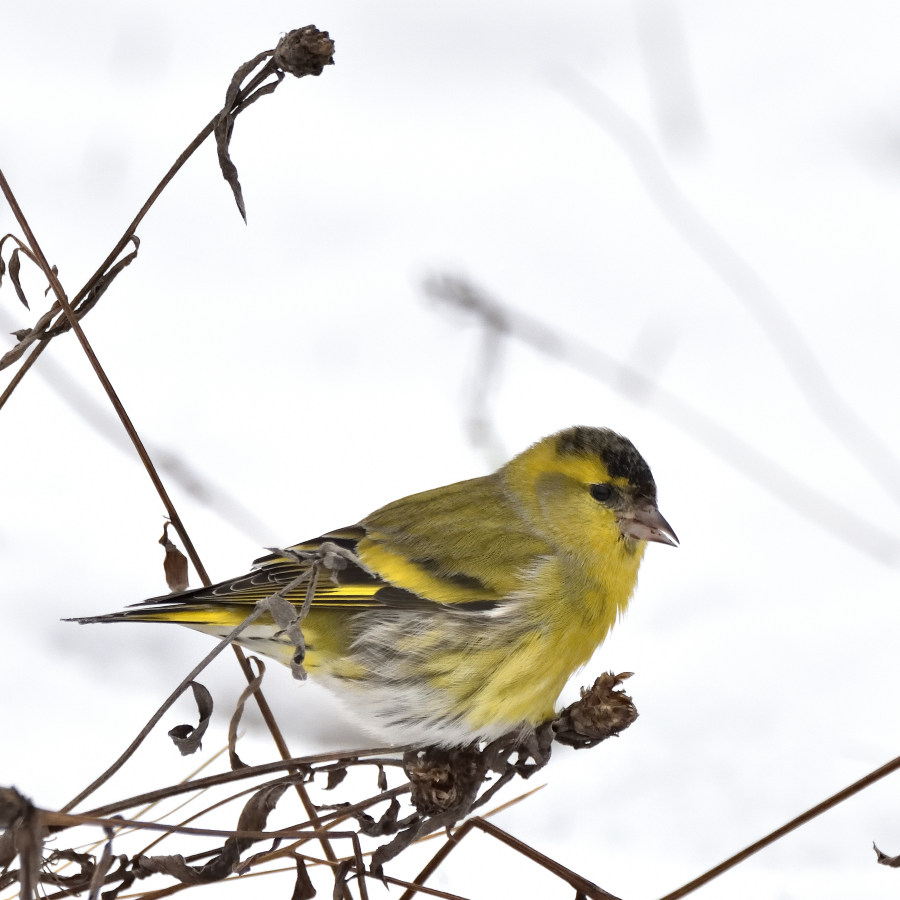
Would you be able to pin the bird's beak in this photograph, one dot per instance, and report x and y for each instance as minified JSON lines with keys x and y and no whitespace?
{"x":646,"y":523}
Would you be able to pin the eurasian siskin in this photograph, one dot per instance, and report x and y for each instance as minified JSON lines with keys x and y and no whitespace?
{"x":463,"y":610}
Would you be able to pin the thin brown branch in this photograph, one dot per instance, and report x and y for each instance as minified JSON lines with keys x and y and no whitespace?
{"x":303,"y":51}
{"x":787,"y":828}
{"x":292,"y":57}
{"x":280,"y":765}
{"x":581,"y":885}
{"x":166,"y":705}
{"x":50,"y":275}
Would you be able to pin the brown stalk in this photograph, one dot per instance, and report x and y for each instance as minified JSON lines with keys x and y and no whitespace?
{"x":787,"y":828}
{"x":185,"y":787}
{"x":68,"y":312}
{"x":584,"y":887}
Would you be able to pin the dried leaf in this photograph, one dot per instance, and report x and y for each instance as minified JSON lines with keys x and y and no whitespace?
{"x":253,"y":818}
{"x":13,"y":807}
{"x":175,"y":565}
{"x":186,"y":738}
{"x":288,"y":621}
{"x":303,"y":886}
{"x":389,"y":823}
{"x":883,"y":860}
{"x":24,"y":835}
{"x":340,"y":879}
{"x":335,"y":777}
{"x":174,"y":865}
{"x":304,"y":51}
{"x":14,"y":267}
{"x":225,"y":120}
{"x":95,"y":292}
{"x":252,"y":687}
{"x":382,"y":779}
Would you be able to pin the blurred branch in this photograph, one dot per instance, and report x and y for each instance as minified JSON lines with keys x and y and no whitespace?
{"x":779,"y":481}
{"x":193,"y":482}
{"x":743,"y":281}
{"x":485,"y":377}
{"x":666,"y":60}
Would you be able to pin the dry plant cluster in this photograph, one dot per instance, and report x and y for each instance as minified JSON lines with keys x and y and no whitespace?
{"x":417,"y":790}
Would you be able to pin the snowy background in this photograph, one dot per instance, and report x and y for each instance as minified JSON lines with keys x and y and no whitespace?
{"x":707,"y":193}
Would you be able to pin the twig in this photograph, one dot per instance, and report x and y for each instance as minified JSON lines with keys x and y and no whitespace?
{"x":581,"y":885}
{"x":300,"y":52}
{"x":782,"y":483}
{"x":811,"y":378}
{"x":199,"y":784}
{"x":50,"y":275}
{"x":779,"y":833}
{"x":292,"y":54}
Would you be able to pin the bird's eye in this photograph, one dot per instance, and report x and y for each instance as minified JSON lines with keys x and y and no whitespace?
{"x":602,"y":493}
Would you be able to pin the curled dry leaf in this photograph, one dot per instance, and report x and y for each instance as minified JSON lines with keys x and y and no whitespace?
{"x":884,"y":860}
{"x":303,"y":51}
{"x":253,"y":818}
{"x":187,"y":738}
{"x":175,"y":565}
{"x":15,"y":277}
{"x":252,"y":687}
{"x":303,"y":886}
{"x":335,"y":777}
{"x":389,"y":823}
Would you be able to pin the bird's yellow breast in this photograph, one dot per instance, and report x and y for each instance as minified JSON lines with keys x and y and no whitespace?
{"x":568,"y":611}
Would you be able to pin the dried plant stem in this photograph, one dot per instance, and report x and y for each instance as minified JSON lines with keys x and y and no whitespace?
{"x":260,"y":609}
{"x":285,"y":753}
{"x":129,"y":233}
{"x":70,"y":820}
{"x":144,"y":456}
{"x":199,"y":784}
{"x":167,"y":703}
{"x":584,"y":887}
{"x":101,"y":375}
{"x":21,"y":371}
{"x":788,"y":827}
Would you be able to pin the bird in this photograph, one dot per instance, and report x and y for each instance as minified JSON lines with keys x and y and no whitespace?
{"x":456,"y":615}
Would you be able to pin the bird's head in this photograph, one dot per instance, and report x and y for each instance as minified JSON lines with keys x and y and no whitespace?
{"x":588,"y":487}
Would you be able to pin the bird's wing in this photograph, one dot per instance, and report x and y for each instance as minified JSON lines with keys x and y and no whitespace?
{"x":463,"y":543}
{"x":352,"y":586}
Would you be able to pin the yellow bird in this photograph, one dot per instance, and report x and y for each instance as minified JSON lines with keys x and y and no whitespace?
{"x":463,"y":610}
